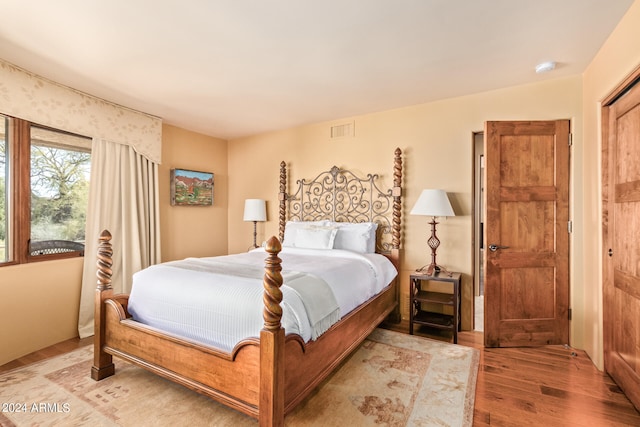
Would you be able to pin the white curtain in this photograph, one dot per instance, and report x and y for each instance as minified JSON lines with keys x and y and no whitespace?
{"x":123,"y":198}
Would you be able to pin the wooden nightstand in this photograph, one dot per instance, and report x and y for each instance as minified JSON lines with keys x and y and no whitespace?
{"x":421,"y":296}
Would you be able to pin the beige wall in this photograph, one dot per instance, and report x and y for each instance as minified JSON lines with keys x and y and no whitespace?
{"x":437,"y":142}
{"x":617,"y":58}
{"x":190,"y":230}
{"x":38,"y":305}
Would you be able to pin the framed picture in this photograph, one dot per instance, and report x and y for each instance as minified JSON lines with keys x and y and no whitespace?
{"x":191,"y":188}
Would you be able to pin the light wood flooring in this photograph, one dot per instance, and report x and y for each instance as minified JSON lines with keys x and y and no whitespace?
{"x":545,"y":386}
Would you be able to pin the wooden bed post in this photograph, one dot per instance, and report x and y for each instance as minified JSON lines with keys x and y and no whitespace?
{"x":102,"y":362}
{"x":282,"y":198}
{"x":397,"y":225}
{"x":397,"y":204}
{"x":271,"y":407}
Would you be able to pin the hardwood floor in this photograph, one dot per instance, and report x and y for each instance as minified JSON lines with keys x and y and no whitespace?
{"x":541,"y":386}
{"x":544,"y":386}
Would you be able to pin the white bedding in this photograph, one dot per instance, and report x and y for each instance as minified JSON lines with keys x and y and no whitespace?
{"x":196,"y":299}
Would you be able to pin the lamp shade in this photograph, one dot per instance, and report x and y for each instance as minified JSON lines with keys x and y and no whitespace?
{"x":433,"y":203}
{"x":255,"y":210}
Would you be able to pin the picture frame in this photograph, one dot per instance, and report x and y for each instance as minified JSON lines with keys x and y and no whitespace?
{"x":191,"y":188}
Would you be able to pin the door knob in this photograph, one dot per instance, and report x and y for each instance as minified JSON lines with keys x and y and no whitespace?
{"x":493,"y":247}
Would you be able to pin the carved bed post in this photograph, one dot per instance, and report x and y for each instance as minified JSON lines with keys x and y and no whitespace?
{"x":397,"y":200}
{"x":271,"y":407}
{"x":397,"y":225}
{"x":102,"y":362}
{"x":282,"y":198}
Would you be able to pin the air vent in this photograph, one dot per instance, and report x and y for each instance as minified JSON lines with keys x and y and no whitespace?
{"x":342,"y":131}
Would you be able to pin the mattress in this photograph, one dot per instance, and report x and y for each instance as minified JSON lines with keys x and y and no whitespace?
{"x":218,"y":301}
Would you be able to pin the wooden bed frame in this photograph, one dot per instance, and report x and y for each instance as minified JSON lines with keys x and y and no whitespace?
{"x":266,"y":377}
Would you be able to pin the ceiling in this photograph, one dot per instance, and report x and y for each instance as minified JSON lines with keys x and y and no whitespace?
{"x":233,"y":68}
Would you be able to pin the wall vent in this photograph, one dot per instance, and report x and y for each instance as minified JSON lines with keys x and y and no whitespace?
{"x":343,"y":130}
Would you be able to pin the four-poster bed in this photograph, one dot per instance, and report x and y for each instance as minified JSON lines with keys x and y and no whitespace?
{"x":266,"y":376}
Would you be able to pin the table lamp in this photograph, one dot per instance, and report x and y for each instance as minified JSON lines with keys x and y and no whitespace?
{"x":433,"y":203}
{"x":255,"y":210}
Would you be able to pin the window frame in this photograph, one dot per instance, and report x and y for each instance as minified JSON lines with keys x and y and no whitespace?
{"x":19,"y":212}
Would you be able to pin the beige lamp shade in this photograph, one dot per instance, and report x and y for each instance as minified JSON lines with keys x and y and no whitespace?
{"x":255,"y":210}
{"x":433,"y":203}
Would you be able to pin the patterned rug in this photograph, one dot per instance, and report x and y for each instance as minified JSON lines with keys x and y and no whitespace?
{"x":392,"y":379}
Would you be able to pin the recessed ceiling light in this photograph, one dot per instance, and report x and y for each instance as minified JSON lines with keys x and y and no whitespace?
{"x":545,"y":66}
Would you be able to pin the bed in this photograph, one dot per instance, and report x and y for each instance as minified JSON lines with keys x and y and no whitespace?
{"x":266,"y":373}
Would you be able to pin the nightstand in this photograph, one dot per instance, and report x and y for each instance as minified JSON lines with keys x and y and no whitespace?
{"x":424,"y":297}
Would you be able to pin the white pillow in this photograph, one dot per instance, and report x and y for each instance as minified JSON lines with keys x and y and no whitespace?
{"x":357,"y":237}
{"x":315,"y":237}
{"x":291,"y":229}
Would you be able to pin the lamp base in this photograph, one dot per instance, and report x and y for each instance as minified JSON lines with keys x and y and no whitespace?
{"x":433,"y":269}
{"x":433,"y":242}
{"x":255,"y":235}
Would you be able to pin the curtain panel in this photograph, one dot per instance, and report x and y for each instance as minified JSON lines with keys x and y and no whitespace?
{"x":123,"y":198}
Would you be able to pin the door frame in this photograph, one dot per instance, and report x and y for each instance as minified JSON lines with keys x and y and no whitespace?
{"x":477,"y":150}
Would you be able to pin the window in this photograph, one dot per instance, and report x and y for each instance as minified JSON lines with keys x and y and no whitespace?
{"x":45,"y":187}
{"x":4,"y":190}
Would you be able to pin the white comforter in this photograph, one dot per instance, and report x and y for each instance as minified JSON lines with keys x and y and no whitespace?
{"x":195,"y":299}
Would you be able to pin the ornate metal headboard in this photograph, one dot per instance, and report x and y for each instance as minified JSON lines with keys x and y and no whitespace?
{"x":340,"y":195}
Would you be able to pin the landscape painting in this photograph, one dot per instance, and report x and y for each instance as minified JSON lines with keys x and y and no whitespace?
{"x":191,"y":188}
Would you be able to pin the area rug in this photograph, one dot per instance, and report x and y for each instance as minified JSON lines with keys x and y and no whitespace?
{"x":392,"y":379}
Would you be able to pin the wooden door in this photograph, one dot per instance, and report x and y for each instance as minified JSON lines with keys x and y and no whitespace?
{"x":526,"y":233}
{"x":621,"y":239}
